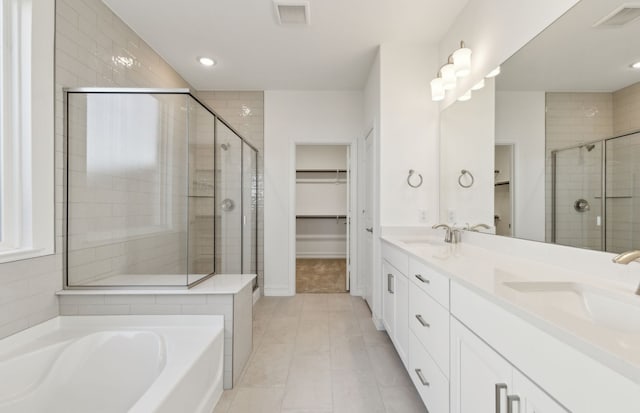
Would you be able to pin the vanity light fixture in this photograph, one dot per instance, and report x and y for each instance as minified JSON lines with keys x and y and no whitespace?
{"x":495,"y":72}
{"x":478,"y":85}
{"x":466,"y":96}
{"x":636,"y":65}
{"x":462,"y":60}
{"x":437,"y":89}
{"x":206,"y":61}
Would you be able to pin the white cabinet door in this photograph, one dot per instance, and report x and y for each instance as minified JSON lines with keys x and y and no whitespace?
{"x":480,"y":377}
{"x":401,"y":337}
{"x":532,"y":398}
{"x":388,"y":298}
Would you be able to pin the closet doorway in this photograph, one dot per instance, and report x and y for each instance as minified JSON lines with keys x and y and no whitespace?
{"x":322,"y":218}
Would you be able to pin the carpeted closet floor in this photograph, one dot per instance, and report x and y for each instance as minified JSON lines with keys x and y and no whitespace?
{"x":321,"y":275}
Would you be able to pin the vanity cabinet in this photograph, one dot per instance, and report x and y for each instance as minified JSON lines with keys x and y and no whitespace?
{"x":395,"y":300}
{"x":483,"y":381}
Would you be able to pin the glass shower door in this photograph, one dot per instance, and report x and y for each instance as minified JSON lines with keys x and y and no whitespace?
{"x":623,"y":192}
{"x":228,"y":190}
{"x":201,"y":192}
{"x":249,"y":210}
{"x":577,"y":214}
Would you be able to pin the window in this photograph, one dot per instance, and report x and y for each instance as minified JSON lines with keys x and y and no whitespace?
{"x":26,"y":129}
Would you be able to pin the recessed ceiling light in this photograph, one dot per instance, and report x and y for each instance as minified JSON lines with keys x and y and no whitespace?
{"x":636,"y":65}
{"x":206,"y":61}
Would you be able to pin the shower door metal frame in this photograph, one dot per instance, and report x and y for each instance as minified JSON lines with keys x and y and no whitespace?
{"x":139,"y":91}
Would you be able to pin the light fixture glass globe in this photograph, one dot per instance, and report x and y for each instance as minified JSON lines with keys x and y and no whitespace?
{"x":636,"y":65}
{"x":495,"y":72}
{"x":465,"y":97}
{"x":437,"y":89}
{"x":462,"y":61}
{"x":449,"y":77}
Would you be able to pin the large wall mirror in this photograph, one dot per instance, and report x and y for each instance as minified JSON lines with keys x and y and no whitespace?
{"x":553,"y":142}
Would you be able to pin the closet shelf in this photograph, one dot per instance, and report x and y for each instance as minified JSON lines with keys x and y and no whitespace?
{"x":322,"y":170}
{"x":320,"y":181}
{"x":502,"y":183}
{"x":337,"y":216}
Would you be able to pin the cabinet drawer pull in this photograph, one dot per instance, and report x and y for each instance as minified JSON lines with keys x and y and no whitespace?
{"x":499,"y":389}
{"x":421,"y":320}
{"x":511,"y":400}
{"x":421,"y":278}
{"x":421,"y":377}
{"x":390,"y":283}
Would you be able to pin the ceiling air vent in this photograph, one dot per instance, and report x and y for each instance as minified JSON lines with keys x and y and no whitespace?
{"x":292,"y":12}
{"x":621,"y":16}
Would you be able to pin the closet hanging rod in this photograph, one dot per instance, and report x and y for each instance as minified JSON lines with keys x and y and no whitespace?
{"x":321,"y":216}
{"x":322,"y":170}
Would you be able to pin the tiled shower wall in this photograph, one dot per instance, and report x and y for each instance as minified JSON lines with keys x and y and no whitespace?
{"x":244,"y":111}
{"x":93,"y":48}
{"x":576,"y":118}
{"x":572,"y":119}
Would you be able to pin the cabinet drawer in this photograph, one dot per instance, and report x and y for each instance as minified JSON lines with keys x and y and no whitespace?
{"x":432,"y":385}
{"x":396,"y":257}
{"x":430,"y":281}
{"x":429,"y":321}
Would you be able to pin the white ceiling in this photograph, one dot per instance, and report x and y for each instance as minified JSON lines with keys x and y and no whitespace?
{"x":253,"y":52}
{"x":571,"y":55}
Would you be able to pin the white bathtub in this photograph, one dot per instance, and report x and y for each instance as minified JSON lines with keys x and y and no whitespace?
{"x":100,"y":364}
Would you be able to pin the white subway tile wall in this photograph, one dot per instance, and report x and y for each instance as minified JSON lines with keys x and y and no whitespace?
{"x":576,"y":118}
{"x":93,"y":48}
{"x":244,"y":111}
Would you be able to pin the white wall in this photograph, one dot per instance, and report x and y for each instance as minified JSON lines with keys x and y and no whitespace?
{"x":520,"y":120}
{"x":494,"y":30}
{"x":294,"y":117}
{"x":408,"y":134}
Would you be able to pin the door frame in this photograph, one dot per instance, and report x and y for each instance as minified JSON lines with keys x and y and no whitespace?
{"x":512,"y":181}
{"x":354,"y":287}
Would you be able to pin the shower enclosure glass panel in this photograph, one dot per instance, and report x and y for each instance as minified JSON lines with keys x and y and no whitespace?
{"x":249,"y":210}
{"x":201,"y":192}
{"x":623,"y":191}
{"x":577,"y":215}
{"x":228,"y":190}
{"x":127,"y":187}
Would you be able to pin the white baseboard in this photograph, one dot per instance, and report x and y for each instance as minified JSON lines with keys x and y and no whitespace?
{"x":277,"y":292}
{"x":328,"y":255}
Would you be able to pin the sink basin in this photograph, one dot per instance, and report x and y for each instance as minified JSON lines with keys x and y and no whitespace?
{"x":608,"y":309}
{"x":421,"y":241}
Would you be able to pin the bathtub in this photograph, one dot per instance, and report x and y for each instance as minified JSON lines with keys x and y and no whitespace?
{"x":109,"y":364}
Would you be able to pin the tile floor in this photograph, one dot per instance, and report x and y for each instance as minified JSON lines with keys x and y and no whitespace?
{"x":320,"y":353}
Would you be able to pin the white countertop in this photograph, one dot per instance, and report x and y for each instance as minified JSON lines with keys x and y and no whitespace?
{"x":559,"y":313}
{"x":218,"y":284}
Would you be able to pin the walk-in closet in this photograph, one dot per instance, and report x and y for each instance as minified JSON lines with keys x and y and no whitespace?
{"x":322,"y":218}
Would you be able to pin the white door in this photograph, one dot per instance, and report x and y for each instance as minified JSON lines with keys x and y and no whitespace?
{"x":366,"y":262}
{"x":480,"y":377}
{"x":389,"y":299}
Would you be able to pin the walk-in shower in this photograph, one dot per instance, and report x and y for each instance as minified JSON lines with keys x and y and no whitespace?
{"x":152,"y":198}
{"x":595,"y":194}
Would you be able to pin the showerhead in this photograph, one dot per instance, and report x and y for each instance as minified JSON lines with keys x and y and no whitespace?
{"x":589,"y":146}
{"x":225,"y":146}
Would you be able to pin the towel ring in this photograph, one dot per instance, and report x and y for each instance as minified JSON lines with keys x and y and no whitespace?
{"x":462,"y":174}
{"x":411,"y":173}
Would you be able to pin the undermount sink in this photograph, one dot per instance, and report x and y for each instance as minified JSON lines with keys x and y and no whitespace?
{"x":601,"y":307}
{"x":421,"y":241}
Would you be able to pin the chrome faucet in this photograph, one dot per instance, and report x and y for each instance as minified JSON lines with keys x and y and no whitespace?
{"x":452,"y":234}
{"x":476,"y":228}
{"x":627,"y":257}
